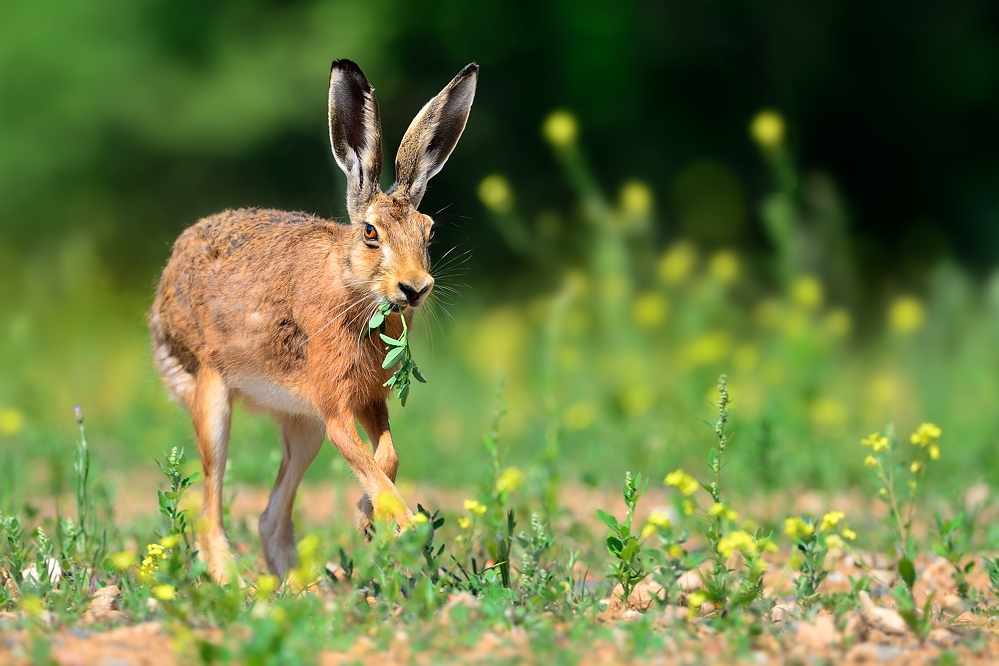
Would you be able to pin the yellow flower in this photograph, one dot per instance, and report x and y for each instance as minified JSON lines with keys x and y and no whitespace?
{"x":675,"y":551}
{"x":11,"y":421}
{"x":724,"y":266}
{"x":494,"y":191}
{"x":660,"y":519}
{"x":767,"y":128}
{"x":419,"y":519}
{"x":678,"y":262}
{"x":796,"y":528}
{"x":848,"y":533}
{"x":720,"y":510}
{"x":164,"y":592}
{"x":636,"y":198}
{"x":807,"y":292}
{"x":649,"y":310}
{"x":648,"y":530}
{"x":831,"y":520}
{"x":737,"y":540}
{"x":560,"y":128}
{"x":925,"y":434}
{"x":474,"y":507}
{"x":123,"y":560}
{"x":934,"y":452}
{"x":267,"y":584}
{"x":770,"y":546}
{"x":871,"y":461}
{"x":696,"y":599}
{"x":906,"y":315}
{"x":170,"y":540}
{"x":509,"y":480}
{"x":688,"y":508}
{"x":155,"y":550}
{"x":389,"y":505}
{"x":464,"y":522}
{"x":834,"y":542}
{"x":686,"y":484}
{"x":915,"y":467}
{"x":876,"y":442}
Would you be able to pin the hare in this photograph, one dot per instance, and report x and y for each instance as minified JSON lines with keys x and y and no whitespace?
{"x":271,"y":307}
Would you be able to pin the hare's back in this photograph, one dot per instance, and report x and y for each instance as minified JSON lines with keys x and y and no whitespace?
{"x":235,"y":272}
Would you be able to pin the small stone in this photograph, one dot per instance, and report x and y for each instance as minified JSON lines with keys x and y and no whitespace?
{"x":882,"y":619}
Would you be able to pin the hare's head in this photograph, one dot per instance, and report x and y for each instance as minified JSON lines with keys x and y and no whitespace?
{"x":388,"y":254}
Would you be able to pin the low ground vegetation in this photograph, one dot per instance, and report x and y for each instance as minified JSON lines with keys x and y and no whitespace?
{"x":501,"y":575}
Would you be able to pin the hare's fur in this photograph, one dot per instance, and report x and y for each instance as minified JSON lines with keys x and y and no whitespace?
{"x":271,"y":307}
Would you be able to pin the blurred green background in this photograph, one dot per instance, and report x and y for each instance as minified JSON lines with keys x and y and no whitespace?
{"x":802,"y":195}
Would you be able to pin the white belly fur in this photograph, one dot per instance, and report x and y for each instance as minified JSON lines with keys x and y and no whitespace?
{"x":272,"y":397}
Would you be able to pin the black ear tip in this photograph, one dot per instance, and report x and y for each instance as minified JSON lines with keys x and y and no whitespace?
{"x":345,"y":66}
{"x":471,"y":69}
{"x":347,"y":71}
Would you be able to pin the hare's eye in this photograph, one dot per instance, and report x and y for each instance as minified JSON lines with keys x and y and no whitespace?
{"x":370,"y":233}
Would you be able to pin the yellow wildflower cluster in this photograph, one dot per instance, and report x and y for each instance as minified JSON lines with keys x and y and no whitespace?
{"x":720,"y":510}
{"x":831,"y":520}
{"x":151,"y":562}
{"x":560,"y":129}
{"x":388,"y":505}
{"x":877,"y":442}
{"x":164,"y":592}
{"x":509,"y":480}
{"x":686,"y":484}
{"x":925,"y":437}
{"x":796,"y":528}
{"x":656,"y":520}
{"x":474,"y":507}
{"x":738,"y":540}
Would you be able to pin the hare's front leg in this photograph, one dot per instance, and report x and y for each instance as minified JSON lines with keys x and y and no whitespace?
{"x":211,"y":411}
{"x":301,"y":438}
{"x":375,"y":475}
{"x":374,"y":419}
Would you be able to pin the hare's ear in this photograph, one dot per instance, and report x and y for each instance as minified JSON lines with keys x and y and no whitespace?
{"x":433,"y":134}
{"x":355,"y":134}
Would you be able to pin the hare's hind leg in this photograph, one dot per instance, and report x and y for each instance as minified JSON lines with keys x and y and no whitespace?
{"x":211,"y":411}
{"x":301,"y":438}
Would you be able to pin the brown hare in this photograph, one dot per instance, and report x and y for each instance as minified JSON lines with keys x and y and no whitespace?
{"x":271,"y":307}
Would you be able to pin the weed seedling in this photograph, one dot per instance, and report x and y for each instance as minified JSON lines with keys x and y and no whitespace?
{"x":953,"y":546}
{"x":629,"y":567}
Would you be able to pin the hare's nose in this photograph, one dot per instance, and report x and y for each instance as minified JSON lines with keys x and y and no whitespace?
{"x":415,"y":293}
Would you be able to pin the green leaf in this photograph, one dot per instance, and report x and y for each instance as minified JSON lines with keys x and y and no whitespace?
{"x":907,"y":571}
{"x":394,"y":357}
{"x":419,"y":375}
{"x":376,"y":320}
{"x":404,"y":395}
{"x":614,"y":545}
{"x":630,"y":550}
{"x":608,"y":520}
{"x":390,"y":341}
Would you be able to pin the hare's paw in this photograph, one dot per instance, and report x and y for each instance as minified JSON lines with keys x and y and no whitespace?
{"x":278,"y":542}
